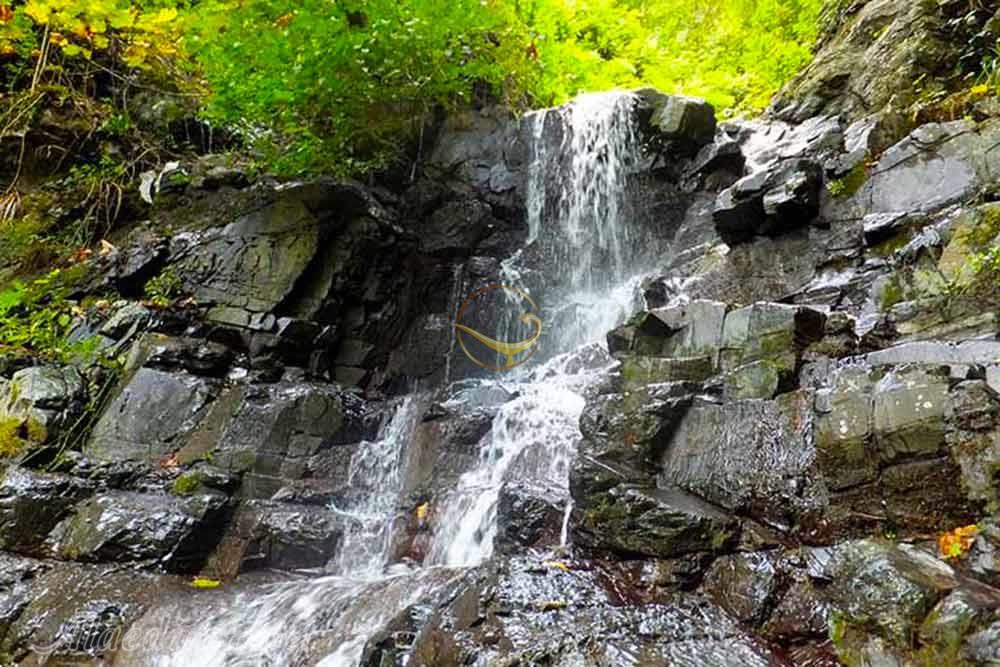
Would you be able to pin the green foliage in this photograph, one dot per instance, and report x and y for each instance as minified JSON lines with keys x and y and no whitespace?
{"x":161,"y":290}
{"x":36,"y":316}
{"x":334,"y":85}
{"x":141,"y":34}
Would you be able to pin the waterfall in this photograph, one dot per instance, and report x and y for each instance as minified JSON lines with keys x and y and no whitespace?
{"x":589,"y":257}
{"x":374,"y":478}
{"x":585,"y":256}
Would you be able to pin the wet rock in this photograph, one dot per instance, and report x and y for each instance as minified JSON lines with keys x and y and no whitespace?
{"x":769,"y":202}
{"x":693,"y":330}
{"x":528,"y":516}
{"x":758,"y":379}
{"x":284,"y":536}
{"x":624,"y":436}
{"x":977,"y":352}
{"x":771,"y":332}
{"x":715,"y":445}
{"x":800,"y":613}
{"x":743,"y":584}
{"x":276,"y":434}
{"x":124,"y":526}
{"x":516,"y":612}
{"x":687,"y":122}
{"x":661,"y":523}
{"x":150,"y":416}
{"x":196,"y":356}
{"x":952,"y":618}
{"x":910,"y":406}
{"x":32,"y":504}
{"x":77,"y":613}
{"x":936,"y":165}
{"x":721,"y":155}
{"x":983,"y":647}
{"x":457,"y":228}
{"x":252,"y":263}
{"x":49,"y":395}
{"x":973,"y":437}
{"x":885,"y":587}
{"x":844,"y":428}
{"x":446,"y":444}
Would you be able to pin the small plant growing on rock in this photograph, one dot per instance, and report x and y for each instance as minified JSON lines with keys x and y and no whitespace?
{"x":186,"y":484}
{"x":163,"y":289}
{"x":850,"y":183}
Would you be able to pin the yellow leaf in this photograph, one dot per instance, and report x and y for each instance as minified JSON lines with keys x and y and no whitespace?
{"x":58,"y":39}
{"x":204,"y":582}
{"x":422,"y":511}
{"x":100,"y":42}
{"x":551,"y":605}
{"x":559,"y":565}
{"x":956,"y":543}
{"x":165,"y":15}
{"x":981,"y":89}
{"x":38,"y":11}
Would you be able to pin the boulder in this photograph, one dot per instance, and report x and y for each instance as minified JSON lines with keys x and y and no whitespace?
{"x":274,"y":435}
{"x":714,"y":446}
{"x":885,"y":588}
{"x":178,"y":533}
{"x":51,"y":396}
{"x":773,"y":201}
{"x":660,"y":523}
{"x":528,"y":516}
{"x":771,"y":332}
{"x":745,"y":585}
{"x":150,"y":416}
{"x":283,"y":536}
{"x":910,"y":407}
{"x":845,"y":452}
{"x":32,"y":504}
{"x":687,"y":122}
{"x":936,"y":165}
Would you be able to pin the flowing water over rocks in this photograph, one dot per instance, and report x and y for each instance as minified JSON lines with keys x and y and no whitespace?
{"x":764,"y":385}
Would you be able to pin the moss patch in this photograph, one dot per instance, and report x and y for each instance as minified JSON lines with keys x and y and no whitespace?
{"x":850,"y":183}
{"x":186,"y":484}
{"x":17,"y":435}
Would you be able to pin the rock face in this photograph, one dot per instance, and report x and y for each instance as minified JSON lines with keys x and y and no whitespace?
{"x":768,"y":451}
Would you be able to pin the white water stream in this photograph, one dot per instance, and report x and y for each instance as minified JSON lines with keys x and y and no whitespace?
{"x":592,"y":255}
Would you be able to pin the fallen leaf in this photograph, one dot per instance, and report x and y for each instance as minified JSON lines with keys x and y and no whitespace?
{"x":559,"y":565}
{"x":551,"y":605}
{"x":169,"y":461}
{"x":106,"y":248}
{"x":204,"y":582}
{"x":422,"y":511}
{"x":956,"y":543}
{"x":6,"y":14}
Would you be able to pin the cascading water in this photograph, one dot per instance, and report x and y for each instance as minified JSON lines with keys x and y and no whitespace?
{"x":589,"y":256}
{"x":585,"y":255}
